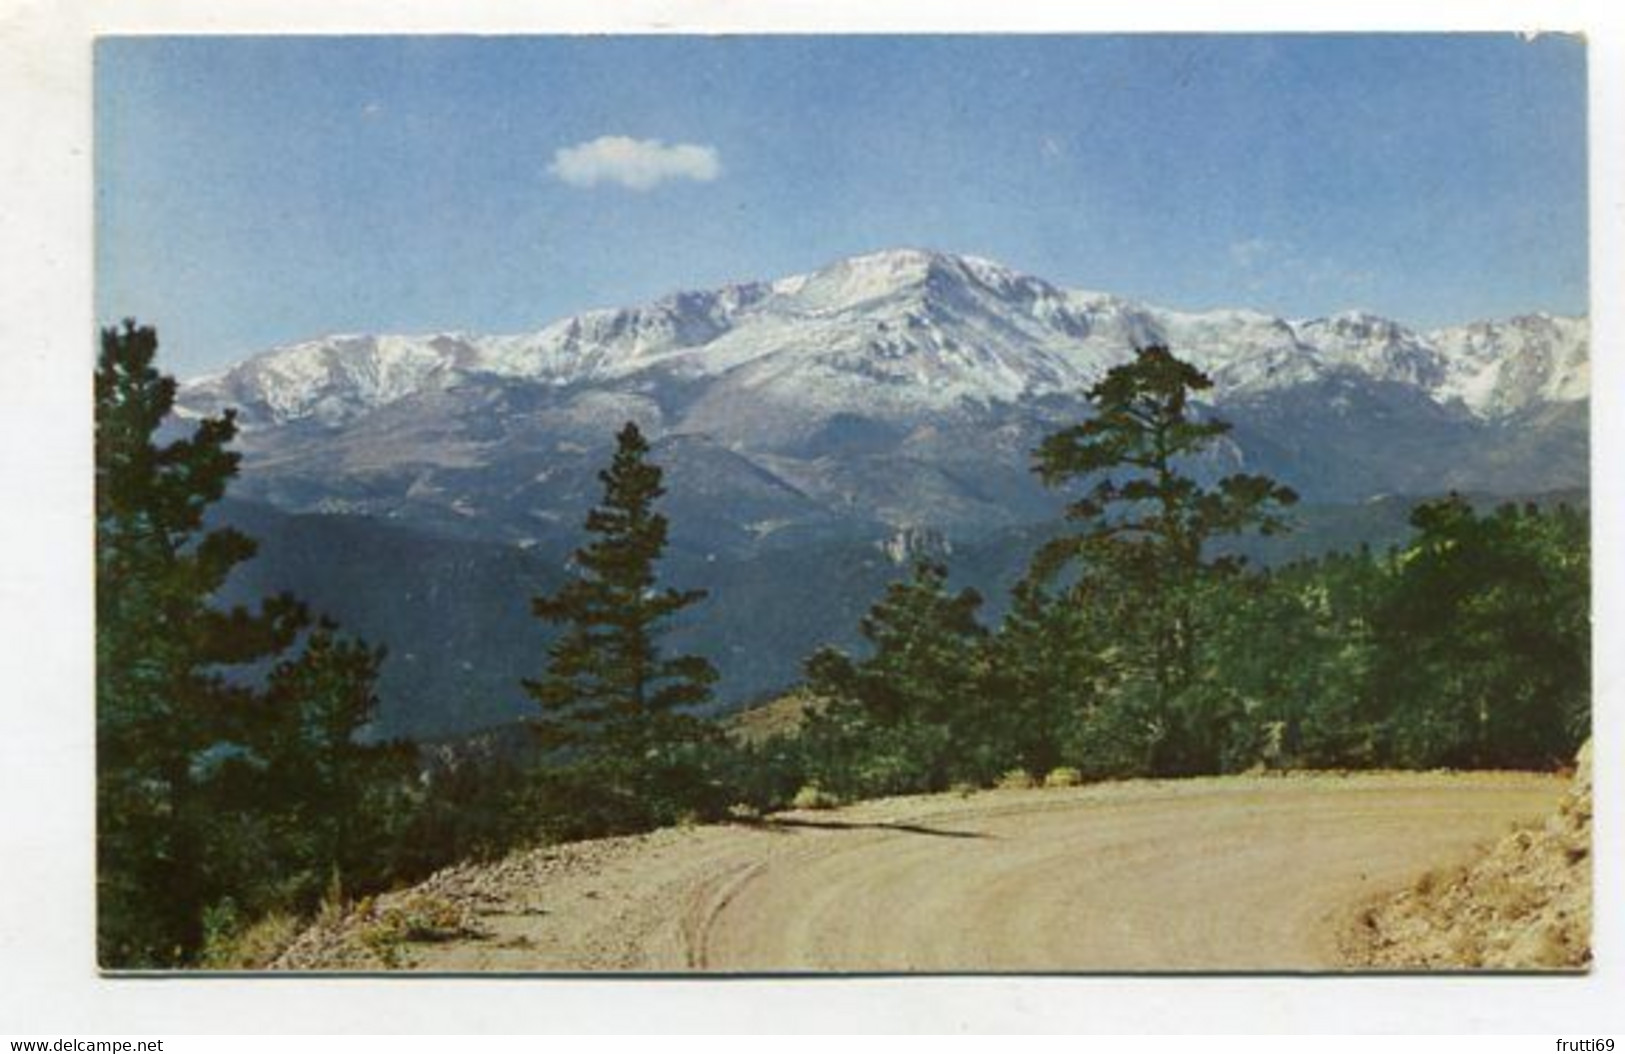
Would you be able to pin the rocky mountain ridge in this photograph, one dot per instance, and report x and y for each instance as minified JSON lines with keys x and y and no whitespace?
{"x":816,"y":433}
{"x":886,"y":392}
{"x":928,"y":329}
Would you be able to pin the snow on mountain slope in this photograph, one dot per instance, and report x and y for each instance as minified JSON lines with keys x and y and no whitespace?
{"x":1377,"y":347}
{"x":803,"y":422}
{"x":1501,"y":368}
{"x":604,"y":344}
{"x":897,"y":333}
{"x":332,"y":379}
{"x":1243,"y":351}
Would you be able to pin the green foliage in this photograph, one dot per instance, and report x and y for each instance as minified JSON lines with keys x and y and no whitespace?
{"x":923,"y":640}
{"x":605,"y":673}
{"x":1141,"y":551}
{"x":234,"y":943}
{"x":611,"y":703}
{"x":218,"y":797}
{"x":1016,"y":779}
{"x":812,"y":796}
{"x":1135,"y":647}
{"x":760,"y":776}
{"x":235,"y":787}
{"x":468,"y":808}
{"x":1469,"y":648}
{"x":1484,"y":641}
{"x":339,"y":803}
{"x":1117,"y":739}
{"x":1296,"y":646}
{"x":910,"y":716}
{"x":1049,"y":669}
{"x":164,"y":712}
{"x":419,"y":918}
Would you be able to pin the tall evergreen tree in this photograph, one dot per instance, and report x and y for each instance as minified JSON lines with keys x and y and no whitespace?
{"x":1047,"y":666}
{"x":609,"y":698}
{"x":335,"y":801}
{"x":923,"y":639}
{"x":1144,"y":523}
{"x":908,"y":716}
{"x":212,"y":787}
{"x":164,"y":711}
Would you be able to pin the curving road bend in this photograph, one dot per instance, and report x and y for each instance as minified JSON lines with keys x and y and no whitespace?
{"x":1197,"y":875}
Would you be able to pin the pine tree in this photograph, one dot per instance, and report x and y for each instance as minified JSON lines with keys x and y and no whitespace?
{"x":1047,"y":667}
{"x":1145,"y":524}
{"x":165,"y":714}
{"x":610,"y":700}
{"x":334,"y":799}
{"x":923,"y":640}
{"x":214,"y":790}
{"x":908,"y":716}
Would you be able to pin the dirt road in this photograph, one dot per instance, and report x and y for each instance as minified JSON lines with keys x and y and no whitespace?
{"x":1222,"y":874}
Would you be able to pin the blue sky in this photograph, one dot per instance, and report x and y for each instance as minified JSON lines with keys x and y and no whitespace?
{"x":253,"y":191}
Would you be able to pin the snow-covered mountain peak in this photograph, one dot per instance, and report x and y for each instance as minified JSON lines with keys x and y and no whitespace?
{"x":1504,"y":367}
{"x":331,"y":379}
{"x":612,"y":342}
{"x":858,"y":283}
{"x":902,"y":331}
{"x":1356,"y":323}
{"x":1355,"y":333}
{"x":1375,"y":346}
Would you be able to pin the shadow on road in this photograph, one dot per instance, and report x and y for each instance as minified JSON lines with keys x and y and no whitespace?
{"x":836,"y":825}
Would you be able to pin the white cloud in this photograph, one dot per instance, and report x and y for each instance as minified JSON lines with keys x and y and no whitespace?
{"x":638,"y":164}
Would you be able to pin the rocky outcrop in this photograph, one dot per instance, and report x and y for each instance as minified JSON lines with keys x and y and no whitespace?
{"x":1526,"y":905}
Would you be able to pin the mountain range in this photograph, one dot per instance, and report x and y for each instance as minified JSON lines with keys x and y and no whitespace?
{"x":882,"y":404}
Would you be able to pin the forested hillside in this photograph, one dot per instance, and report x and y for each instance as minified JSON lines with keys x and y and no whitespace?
{"x":817,"y":433}
{"x":235,"y":783}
